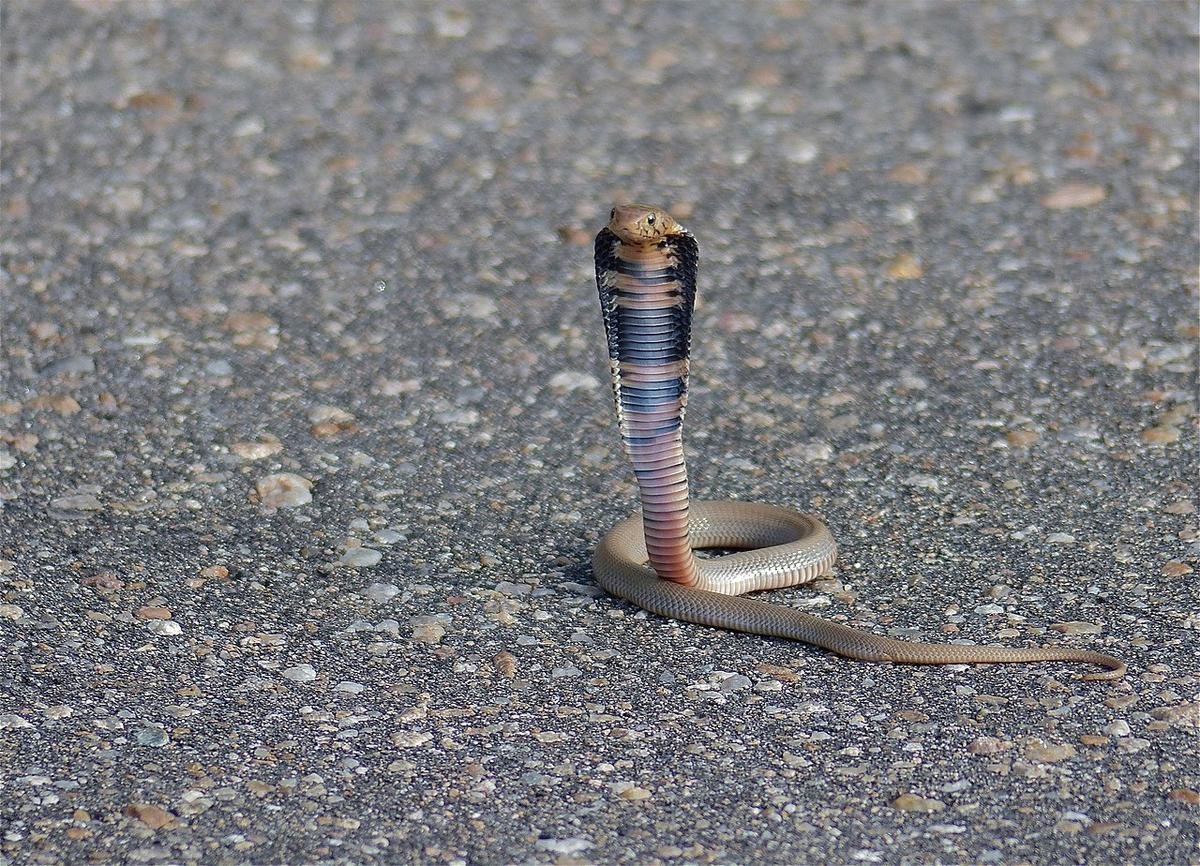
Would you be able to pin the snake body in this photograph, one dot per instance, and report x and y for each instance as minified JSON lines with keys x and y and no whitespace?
{"x":646,"y":267}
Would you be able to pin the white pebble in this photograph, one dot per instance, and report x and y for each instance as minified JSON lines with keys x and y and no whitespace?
{"x":564,"y":846}
{"x":427,"y":629}
{"x":360,"y":557}
{"x":800,"y":151}
{"x":1118,"y":728}
{"x":77,"y":502}
{"x":735,"y":683}
{"x":283,"y":490}
{"x":465,"y":417}
{"x":570,"y":380}
{"x":380,"y":592}
{"x":301,"y":674}
{"x":329,"y":415}
{"x":410,"y":739}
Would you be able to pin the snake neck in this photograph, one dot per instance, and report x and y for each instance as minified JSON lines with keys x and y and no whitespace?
{"x":647,"y":299}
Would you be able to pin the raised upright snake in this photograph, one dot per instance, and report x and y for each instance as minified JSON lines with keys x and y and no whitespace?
{"x":646,"y":273}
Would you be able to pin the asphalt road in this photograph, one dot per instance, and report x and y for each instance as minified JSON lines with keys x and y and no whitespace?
{"x":305,"y":437}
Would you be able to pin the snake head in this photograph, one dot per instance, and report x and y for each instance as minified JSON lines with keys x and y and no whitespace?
{"x":642,"y":223}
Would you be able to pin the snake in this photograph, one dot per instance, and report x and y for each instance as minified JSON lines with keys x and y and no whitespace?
{"x":646,"y":267}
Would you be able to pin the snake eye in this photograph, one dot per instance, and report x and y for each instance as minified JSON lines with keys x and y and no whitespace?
{"x":612,"y":214}
{"x":650,"y":219}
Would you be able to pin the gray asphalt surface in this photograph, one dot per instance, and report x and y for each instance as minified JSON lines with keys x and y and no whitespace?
{"x":948,"y":301}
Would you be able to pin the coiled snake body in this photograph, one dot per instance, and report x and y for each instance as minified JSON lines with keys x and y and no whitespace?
{"x":646,"y":273}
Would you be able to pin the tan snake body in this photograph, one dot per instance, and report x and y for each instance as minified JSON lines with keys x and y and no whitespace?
{"x":646,"y":273}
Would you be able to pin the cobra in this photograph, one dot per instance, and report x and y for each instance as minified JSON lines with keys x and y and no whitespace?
{"x":646,"y":265}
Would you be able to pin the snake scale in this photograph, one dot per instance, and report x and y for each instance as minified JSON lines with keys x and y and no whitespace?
{"x":646,"y":267}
